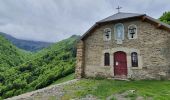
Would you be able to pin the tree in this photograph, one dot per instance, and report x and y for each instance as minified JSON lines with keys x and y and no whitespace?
{"x":165,"y":17}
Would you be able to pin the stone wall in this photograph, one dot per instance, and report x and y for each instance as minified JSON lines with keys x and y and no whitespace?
{"x":79,"y":60}
{"x":152,"y":43}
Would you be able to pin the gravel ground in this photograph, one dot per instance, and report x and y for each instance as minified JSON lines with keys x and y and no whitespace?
{"x":54,"y":92}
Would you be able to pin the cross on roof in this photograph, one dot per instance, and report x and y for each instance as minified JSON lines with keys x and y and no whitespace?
{"x":118,"y":8}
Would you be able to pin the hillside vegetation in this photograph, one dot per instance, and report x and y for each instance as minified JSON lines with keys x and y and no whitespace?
{"x":44,"y":68}
{"x":10,"y":55}
{"x":165,"y":17}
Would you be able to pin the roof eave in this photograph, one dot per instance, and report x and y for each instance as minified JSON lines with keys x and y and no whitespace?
{"x":144,"y":15}
{"x":85,"y":34}
{"x":158,"y":22}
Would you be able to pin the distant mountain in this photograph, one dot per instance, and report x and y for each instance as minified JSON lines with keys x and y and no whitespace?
{"x":27,"y":45}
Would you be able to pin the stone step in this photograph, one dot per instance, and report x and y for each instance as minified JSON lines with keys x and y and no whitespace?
{"x":122,"y":79}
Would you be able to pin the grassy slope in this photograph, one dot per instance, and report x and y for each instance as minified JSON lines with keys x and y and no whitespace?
{"x":158,"y":90}
{"x":44,"y":68}
{"x":65,"y":79}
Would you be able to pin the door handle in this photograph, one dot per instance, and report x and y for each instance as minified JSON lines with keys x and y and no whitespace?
{"x":117,"y":63}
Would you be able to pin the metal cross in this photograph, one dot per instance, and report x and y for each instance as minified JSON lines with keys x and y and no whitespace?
{"x":118,"y":8}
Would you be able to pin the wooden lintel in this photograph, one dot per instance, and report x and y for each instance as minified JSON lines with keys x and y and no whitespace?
{"x":158,"y":25}
{"x":143,"y":18}
{"x":97,"y":25}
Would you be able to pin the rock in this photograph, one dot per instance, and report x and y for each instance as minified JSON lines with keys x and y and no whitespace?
{"x":132,"y":91}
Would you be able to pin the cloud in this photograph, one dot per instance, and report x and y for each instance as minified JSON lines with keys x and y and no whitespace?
{"x":53,"y":20}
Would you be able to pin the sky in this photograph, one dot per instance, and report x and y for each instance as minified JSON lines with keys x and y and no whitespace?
{"x":54,"y":20}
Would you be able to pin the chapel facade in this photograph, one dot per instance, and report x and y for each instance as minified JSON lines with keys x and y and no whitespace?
{"x":125,"y":45}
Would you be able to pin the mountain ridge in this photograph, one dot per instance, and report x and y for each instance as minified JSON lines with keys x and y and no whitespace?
{"x":27,"y":45}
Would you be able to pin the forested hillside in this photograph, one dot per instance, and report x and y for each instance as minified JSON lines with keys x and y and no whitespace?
{"x":27,"y":45}
{"x":10,"y":55}
{"x":44,"y":68}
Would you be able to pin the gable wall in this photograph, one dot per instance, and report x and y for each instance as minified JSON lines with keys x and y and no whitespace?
{"x":152,"y":43}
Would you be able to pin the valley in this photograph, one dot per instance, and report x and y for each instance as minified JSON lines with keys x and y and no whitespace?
{"x":23,"y":71}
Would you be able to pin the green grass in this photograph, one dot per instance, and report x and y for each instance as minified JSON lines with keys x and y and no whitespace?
{"x":158,"y":90}
{"x":64,"y":79}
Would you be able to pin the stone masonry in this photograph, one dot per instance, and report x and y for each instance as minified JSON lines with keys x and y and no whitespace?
{"x":152,"y":45}
{"x":80,"y":60}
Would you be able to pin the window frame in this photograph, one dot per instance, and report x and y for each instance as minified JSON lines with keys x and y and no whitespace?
{"x":115,"y":31}
{"x":106,"y":59}
{"x":104,"y":34}
{"x":135,"y":33}
{"x":133,"y":63}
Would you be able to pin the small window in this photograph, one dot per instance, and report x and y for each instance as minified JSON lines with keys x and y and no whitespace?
{"x":119,"y":31}
{"x":132,"y":32}
{"x":107,"y":59}
{"x":107,"y":34}
{"x":134,"y":58}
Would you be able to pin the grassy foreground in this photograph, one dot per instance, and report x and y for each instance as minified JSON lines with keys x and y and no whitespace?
{"x":157,"y":90}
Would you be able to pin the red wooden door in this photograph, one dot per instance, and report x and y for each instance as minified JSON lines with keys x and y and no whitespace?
{"x":120,"y":64}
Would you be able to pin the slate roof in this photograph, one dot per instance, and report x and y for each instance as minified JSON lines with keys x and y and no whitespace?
{"x":120,"y":15}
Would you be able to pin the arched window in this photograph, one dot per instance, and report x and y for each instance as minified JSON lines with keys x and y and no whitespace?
{"x":107,"y":34}
{"x":107,"y":59}
{"x":134,"y":58}
{"x":132,"y":31}
{"x":119,"y":31}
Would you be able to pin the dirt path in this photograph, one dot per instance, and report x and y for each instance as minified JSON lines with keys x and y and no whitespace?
{"x":54,"y":92}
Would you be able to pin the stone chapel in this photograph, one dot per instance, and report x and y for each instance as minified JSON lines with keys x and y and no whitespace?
{"x":125,"y":45}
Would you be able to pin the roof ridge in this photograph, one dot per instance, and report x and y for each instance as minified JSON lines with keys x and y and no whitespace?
{"x":130,"y":13}
{"x":120,"y":15}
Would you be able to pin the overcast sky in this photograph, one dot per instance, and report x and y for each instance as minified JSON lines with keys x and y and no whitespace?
{"x":53,"y":20}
